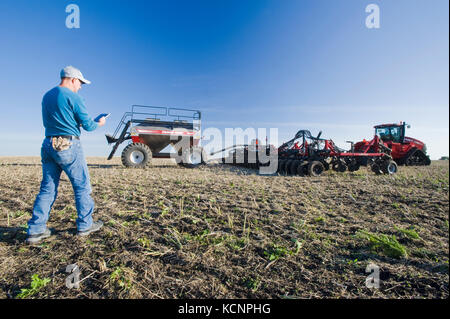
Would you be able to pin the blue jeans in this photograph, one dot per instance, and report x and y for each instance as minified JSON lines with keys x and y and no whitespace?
{"x":73,"y":163}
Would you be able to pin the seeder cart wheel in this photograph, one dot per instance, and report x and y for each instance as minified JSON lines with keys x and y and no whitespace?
{"x":136,"y":155}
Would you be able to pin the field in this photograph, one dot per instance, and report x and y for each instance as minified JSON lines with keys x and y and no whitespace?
{"x":227,"y":232}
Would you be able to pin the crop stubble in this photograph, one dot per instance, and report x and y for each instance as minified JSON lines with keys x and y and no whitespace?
{"x":227,"y":232}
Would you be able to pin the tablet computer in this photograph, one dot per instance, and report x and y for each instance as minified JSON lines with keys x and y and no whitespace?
{"x":105,"y":115}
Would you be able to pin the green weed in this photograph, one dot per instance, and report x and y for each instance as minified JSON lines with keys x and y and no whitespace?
{"x":353,"y":262}
{"x":320,"y":220}
{"x":202,"y":238}
{"x":36,"y":285}
{"x":409,"y":232}
{"x":387,"y":244}
{"x":144,"y":241}
{"x":237,"y":243}
{"x":252,"y":283}
{"x":424,"y":253}
{"x":118,"y":276}
{"x":276,"y":251}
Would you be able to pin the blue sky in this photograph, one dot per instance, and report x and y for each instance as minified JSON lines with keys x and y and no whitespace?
{"x":287,"y":64}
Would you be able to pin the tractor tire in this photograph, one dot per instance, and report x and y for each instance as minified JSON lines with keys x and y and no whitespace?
{"x":315,"y":168}
{"x":390,"y":168}
{"x":136,"y":155}
{"x":193,"y":157}
{"x":293,"y":167}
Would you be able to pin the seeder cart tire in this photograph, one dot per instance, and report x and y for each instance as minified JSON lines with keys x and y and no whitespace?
{"x":136,"y":155}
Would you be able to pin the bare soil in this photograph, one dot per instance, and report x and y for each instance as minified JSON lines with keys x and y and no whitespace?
{"x":224,"y":232}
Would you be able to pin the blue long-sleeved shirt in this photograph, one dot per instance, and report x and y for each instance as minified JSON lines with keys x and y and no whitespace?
{"x":63,"y":112}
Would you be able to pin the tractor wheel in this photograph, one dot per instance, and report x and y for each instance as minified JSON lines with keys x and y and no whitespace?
{"x":293,"y":167}
{"x":136,"y":155}
{"x":390,"y":168}
{"x":315,"y":168}
{"x":193,"y":157}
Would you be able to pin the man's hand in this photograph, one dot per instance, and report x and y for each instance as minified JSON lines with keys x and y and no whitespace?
{"x":102,"y":121}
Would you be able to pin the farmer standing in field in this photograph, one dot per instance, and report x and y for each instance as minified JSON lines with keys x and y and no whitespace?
{"x":63,"y":113}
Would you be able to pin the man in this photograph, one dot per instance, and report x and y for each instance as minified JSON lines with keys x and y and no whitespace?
{"x":63,"y":113}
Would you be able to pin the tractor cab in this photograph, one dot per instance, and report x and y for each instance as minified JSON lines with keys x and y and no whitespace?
{"x":394,"y":133}
{"x":403,"y":149}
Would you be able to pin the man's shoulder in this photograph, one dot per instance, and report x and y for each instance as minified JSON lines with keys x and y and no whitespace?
{"x":65,"y":91}
{"x":52,"y":91}
{"x":60,"y":91}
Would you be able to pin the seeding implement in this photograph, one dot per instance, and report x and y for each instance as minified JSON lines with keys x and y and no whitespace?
{"x":306,"y":154}
{"x":151,"y":129}
{"x":404,"y":150}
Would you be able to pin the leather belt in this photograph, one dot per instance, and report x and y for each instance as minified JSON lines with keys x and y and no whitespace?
{"x":70,"y":137}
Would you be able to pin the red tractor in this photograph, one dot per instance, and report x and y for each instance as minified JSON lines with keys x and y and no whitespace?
{"x":404,"y":150}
